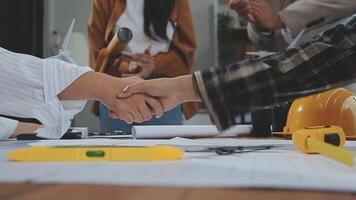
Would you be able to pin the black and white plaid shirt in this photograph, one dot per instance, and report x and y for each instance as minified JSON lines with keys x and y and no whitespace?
{"x":324,"y":63}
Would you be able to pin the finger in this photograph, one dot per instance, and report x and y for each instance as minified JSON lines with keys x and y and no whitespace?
{"x":127,"y":117}
{"x":145,"y":111}
{"x":257,"y":14}
{"x":133,"y":89}
{"x":243,"y":6}
{"x":240,"y":9}
{"x":156,"y":88}
{"x":148,"y":61}
{"x":140,"y":55}
{"x":141,"y":64}
{"x":148,"y":50}
{"x":232,"y":3}
{"x":142,"y":70}
{"x":155,"y":106}
{"x":113,"y":115}
{"x":123,"y":111}
{"x":251,"y":2}
{"x":136,"y":114}
{"x":251,"y":18}
{"x":259,"y":5}
{"x":145,"y":59}
{"x":237,"y":3}
{"x":243,"y":12}
{"x":145,"y":68}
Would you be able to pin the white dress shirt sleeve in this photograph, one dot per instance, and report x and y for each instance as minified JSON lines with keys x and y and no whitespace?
{"x":29,"y":87}
{"x":287,"y":35}
{"x":7,"y":127}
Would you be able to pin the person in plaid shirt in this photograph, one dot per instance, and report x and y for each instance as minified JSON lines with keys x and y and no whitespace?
{"x":324,"y":63}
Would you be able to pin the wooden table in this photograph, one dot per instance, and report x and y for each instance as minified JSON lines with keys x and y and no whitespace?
{"x":68,"y":192}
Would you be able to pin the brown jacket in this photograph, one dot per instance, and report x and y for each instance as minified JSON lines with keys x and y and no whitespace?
{"x":176,"y":62}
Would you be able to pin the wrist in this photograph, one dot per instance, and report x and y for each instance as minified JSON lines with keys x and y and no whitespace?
{"x":81,"y":88}
{"x":185,"y":89}
{"x":278,"y":22}
{"x":100,"y":86}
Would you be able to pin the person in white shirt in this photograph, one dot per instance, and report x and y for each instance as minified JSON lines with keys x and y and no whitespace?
{"x":51,"y":91}
{"x":273,"y":24}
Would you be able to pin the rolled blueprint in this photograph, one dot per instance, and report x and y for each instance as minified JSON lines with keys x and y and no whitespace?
{"x":188,"y":131}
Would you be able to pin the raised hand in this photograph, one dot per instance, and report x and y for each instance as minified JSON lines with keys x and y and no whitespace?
{"x":170,"y":91}
{"x":243,"y":8}
{"x":258,"y":12}
{"x":265,"y":16}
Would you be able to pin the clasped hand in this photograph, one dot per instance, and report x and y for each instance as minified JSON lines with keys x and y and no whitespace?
{"x":136,"y":108}
{"x":140,"y":100}
{"x":132,"y":99}
{"x":145,"y":63}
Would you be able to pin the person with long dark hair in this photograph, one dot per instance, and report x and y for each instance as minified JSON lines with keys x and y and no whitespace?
{"x":163,"y":45}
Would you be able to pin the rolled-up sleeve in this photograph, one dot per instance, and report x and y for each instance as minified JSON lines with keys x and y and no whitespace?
{"x":7,"y":127}
{"x":29,"y":87}
{"x":324,"y":63}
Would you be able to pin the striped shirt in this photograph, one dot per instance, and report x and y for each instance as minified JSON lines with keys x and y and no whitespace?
{"x":7,"y":127}
{"x":28,"y":89}
{"x":327,"y":61}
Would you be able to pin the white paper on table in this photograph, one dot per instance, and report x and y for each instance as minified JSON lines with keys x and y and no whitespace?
{"x":149,"y":142}
{"x":122,"y":142}
{"x":275,"y":168}
{"x":188,"y":131}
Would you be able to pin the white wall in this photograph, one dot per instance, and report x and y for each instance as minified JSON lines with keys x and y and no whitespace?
{"x":59,"y":14}
{"x":203,"y":15}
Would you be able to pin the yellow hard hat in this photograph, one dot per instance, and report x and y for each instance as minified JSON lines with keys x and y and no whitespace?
{"x":335,"y":107}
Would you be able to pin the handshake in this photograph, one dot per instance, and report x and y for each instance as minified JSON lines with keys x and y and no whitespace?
{"x":132,"y":99}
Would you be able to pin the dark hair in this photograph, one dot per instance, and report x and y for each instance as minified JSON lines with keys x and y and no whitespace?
{"x":157,"y":14}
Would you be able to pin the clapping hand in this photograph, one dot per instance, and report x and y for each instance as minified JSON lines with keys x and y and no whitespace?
{"x":145,"y":64}
{"x":243,"y":8}
{"x":264,"y":14}
{"x":258,"y":12}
